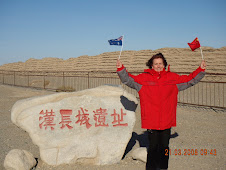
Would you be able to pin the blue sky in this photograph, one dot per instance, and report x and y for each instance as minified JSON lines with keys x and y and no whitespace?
{"x":71,"y":28}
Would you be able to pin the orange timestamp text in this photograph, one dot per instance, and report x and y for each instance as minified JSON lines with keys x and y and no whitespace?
{"x":187,"y":152}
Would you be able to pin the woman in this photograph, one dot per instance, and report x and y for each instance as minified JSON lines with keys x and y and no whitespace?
{"x":158,"y":90}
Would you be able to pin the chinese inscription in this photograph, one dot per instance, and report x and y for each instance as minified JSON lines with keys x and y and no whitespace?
{"x":82,"y":116}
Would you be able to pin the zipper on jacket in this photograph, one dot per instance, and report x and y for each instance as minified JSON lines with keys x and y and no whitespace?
{"x":159,"y":100}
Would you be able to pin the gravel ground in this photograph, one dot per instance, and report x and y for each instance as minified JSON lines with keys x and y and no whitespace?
{"x":198,"y":129}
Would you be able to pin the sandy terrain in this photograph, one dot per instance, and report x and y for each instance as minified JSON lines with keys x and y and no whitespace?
{"x":197,"y":128}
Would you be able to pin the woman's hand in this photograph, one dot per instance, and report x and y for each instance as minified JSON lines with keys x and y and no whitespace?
{"x":203,"y":64}
{"x":118,"y":63}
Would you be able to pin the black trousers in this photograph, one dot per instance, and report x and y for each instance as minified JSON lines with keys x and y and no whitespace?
{"x":157,"y":152}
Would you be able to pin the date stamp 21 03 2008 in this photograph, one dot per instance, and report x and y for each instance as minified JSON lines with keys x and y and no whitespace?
{"x":188,"y":152}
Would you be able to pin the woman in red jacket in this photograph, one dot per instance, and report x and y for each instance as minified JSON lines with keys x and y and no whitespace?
{"x":158,"y":90}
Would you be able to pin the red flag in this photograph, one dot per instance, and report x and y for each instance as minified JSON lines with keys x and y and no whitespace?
{"x":195,"y":44}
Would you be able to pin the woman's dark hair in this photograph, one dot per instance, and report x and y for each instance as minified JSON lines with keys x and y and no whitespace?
{"x":159,"y":55}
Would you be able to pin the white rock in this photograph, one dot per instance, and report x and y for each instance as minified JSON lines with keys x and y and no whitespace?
{"x":140,"y":154}
{"x":90,"y":135}
{"x":19,"y":160}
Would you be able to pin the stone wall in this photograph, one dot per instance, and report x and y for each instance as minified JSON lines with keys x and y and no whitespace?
{"x":180,"y":60}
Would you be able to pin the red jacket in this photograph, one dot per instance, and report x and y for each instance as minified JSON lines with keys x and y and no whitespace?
{"x":158,"y":94}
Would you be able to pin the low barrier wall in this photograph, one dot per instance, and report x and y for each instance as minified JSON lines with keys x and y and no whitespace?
{"x":209,"y":92}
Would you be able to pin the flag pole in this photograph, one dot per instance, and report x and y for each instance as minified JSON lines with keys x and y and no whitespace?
{"x":201,"y":53}
{"x":121,"y":48}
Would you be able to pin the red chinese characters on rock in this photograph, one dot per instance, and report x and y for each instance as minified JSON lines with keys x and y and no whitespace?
{"x":117,"y":119}
{"x":100,"y":117}
{"x":66,"y":119}
{"x":83,"y":118}
{"x":46,"y":119}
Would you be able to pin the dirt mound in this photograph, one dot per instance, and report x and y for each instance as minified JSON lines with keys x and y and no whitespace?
{"x":180,"y":59}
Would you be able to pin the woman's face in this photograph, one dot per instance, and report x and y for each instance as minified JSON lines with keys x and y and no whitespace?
{"x":158,"y":64}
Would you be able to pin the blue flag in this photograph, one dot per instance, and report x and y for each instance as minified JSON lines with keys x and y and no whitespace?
{"x":117,"y":41}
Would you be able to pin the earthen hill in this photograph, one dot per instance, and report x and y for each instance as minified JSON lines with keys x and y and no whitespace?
{"x":180,"y":60}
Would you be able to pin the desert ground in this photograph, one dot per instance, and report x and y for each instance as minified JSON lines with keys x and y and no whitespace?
{"x":197,"y":128}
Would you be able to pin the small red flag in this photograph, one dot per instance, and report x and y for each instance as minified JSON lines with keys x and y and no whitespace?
{"x":195,"y":44}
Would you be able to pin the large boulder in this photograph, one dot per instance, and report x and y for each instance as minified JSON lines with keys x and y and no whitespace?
{"x":89,"y":126}
{"x":18,"y":159}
